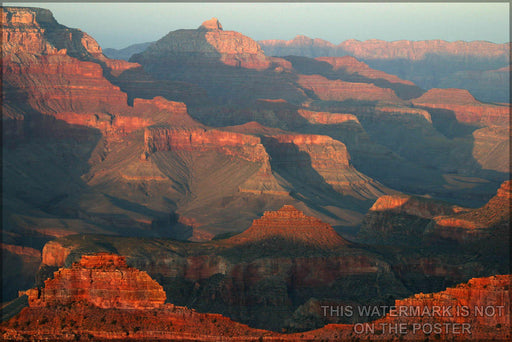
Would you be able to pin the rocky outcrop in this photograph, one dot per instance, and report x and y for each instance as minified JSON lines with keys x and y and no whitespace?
{"x":337,"y":90}
{"x":488,"y":222}
{"x":103,"y":280}
{"x":464,"y":106}
{"x":59,"y":71}
{"x":410,"y":219}
{"x":400,"y":219}
{"x":212,"y":24}
{"x":291,"y":224}
{"x":55,"y":254}
{"x":206,"y":45}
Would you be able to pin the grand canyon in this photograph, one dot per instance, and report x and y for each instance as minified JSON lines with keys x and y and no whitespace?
{"x":207,"y":186}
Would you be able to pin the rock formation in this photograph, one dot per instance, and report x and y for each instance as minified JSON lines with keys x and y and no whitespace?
{"x":481,"y":307}
{"x":319,"y":160}
{"x":103,"y":280}
{"x":291,"y":224}
{"x":400,"y":219}
{"x":410,"y":219}
{"x":20,"y":263}
{"x":337,"y":90}
{"x":202,"y":140}
{"x":464,"y":106}
{"x":490,"y":221}
{"x":208,"y":44}
{"x":100,"y":297}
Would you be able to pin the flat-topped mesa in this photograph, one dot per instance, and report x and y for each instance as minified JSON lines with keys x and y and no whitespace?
{"x":212,"y":24}
{"x":292,"y":225}
{"x":103,"y":280}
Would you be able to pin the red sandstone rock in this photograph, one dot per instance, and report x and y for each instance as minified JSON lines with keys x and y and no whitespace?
{"x":291,"y":224}
{"x":103,"y":280}
{"x":336,"y":90}
{"x":54,"y":254}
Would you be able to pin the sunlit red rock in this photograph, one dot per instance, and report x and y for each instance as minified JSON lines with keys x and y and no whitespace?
{"x":103,"y":280}
{"x":291,"y":224}
{"x":478,"y":310}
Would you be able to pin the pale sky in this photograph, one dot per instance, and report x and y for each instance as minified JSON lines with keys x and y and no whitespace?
{"x":118,"y":25}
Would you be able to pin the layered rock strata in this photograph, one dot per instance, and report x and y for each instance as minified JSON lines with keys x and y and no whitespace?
{"x":103,"y":280}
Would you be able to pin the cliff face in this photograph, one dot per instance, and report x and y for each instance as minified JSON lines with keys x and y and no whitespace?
{"x":100,"y":297}
{"x":103,"y":280}
{"x":59,"y":71}
{"x":320,"y":161}
{"x":482,"y":306}
{"x":20,"y":263}
{"x":201,"y":140}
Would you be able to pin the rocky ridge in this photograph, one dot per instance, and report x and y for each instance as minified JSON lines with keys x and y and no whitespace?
{"x":291,"y":224}
{"x":103,"y":280}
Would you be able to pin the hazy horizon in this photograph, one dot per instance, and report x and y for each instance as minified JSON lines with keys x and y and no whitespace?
{"x":118,"y":25}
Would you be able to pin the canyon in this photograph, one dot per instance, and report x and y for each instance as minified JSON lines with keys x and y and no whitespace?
{"x":218,"y":182}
